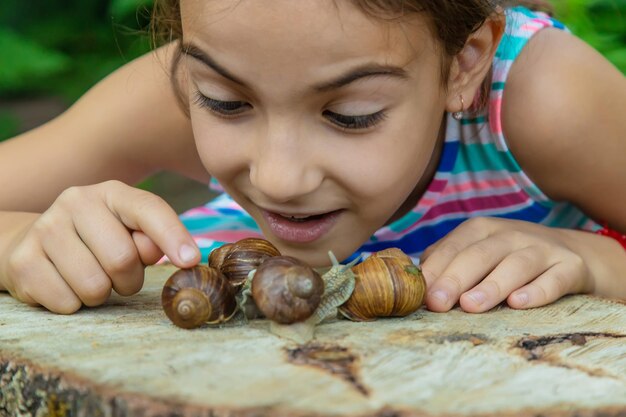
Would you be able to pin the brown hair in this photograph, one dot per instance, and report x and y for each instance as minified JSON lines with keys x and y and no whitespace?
{"x":453,"y":21}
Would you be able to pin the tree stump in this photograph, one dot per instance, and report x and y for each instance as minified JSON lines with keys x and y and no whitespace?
{"x":127,"y":359}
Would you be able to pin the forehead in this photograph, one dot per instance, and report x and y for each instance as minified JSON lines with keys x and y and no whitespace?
{"x":329,"y":31}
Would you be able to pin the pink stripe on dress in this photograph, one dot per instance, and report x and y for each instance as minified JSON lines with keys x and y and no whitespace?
{"x":201,"y":212}
{"x":475,"y":204}
{"x":480,"y":185}
{"x":495,"y":123}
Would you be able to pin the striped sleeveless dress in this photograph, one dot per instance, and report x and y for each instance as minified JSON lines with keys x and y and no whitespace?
{"x":476,"y":176}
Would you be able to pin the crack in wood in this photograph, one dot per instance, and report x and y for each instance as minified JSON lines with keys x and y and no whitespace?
{"x":533,"y":349}
{"x":334,"y":359}
{"x":531,"y":344}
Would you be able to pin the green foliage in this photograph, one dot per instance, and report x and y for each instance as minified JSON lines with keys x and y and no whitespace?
{"x":601,"y":23}
{"x":126,"y":8}
{"x":64,"y":47}
{"x":25,"y":59}
{"x":9,"y":125}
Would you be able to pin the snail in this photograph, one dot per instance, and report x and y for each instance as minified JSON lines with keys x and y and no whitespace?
{"x":244,"y":256}
{"x":388,"y":284}
{"x":217,"y":255}
{"x":192,"y":297}
{"x":286,"y":290}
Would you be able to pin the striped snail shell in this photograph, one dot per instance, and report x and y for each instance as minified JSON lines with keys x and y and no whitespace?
{"x":244,"y":256}
{"x":198,"y":295}
{"x":388,"y":284}
{"x":217,"y":255}
{"x":286,"y":290}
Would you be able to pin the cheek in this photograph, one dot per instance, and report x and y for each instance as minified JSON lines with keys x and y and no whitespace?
{"x":219,"y":148}
{"x":390,"y":166}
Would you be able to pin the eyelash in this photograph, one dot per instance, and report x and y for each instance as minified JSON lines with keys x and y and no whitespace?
{"x":355,"y":122}
{"x":234,"y":108}
{"x":222,"y":108}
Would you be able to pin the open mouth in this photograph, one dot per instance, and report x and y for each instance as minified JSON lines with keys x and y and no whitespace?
{"x":302,"y":219}
{"x":300,"y":228}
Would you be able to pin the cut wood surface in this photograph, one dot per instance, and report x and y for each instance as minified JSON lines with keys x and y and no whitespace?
{"x":127,"y":359}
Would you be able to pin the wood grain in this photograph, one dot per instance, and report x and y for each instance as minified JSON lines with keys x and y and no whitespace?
{"x":126,"y":359}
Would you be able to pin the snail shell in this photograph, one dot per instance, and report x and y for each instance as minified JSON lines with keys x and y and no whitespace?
{"x":244,"y":256}
{"x":388,"y":284}
{"x":217,"y":255}
{"x":192,"y":297}
{"x":286,"y":290}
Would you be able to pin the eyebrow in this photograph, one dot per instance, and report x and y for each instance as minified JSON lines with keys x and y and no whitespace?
{"x":363,"y":71}
{"x":198,"y":54}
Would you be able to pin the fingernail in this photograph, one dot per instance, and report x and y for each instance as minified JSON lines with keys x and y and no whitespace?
{"x":440,"y":295}
{"x":478,"y":297}
{"x":187,"y":253}
{"x":522,"y":298}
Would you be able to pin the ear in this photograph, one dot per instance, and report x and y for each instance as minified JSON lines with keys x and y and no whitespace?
{"x":471,"y":65}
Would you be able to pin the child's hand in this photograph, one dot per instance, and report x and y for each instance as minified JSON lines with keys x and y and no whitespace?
{"x":91,"y":240}
{"x":487,"y":260}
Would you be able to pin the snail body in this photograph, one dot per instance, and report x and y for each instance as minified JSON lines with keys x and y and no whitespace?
{"x":388,"y":284}
{"x":244,"y":256}
{"x":286,"y":290}
{"x":192,"y":297}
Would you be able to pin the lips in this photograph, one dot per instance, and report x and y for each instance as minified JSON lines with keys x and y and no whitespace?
{"x":300,"y":228}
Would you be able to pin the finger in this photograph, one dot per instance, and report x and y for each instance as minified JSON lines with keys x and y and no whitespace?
{"x":428,"y":251}
{"x":37,"y":282}
{"x":554,"y":283}
{"x":466,"y":269}
{"x":143,"y":211}
{"x":516,"y":270}
{"x":439,"y":255}
{"x":114,"y":248}
{"x":149,"y":252}
{"x":76,"y":264}
{"x":437,"y":260}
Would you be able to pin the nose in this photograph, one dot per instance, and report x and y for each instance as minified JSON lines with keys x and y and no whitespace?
{"x":283,"y":166}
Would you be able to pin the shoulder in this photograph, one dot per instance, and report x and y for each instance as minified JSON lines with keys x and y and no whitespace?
{"x":563,"y":117}
{"x":136,"y":118}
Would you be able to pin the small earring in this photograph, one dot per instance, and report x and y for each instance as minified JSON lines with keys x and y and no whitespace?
{"x":458,"y":115}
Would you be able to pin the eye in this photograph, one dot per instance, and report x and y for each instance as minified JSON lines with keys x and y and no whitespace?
{"x":222,"y":108}
{"x":355,"y":122}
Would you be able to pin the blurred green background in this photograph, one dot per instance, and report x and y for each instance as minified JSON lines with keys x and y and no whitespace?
{"x":53,"y":51}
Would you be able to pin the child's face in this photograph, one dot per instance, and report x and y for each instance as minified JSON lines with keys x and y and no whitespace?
{"x":308,"y":108}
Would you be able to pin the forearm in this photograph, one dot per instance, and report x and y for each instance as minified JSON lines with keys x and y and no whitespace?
{"x":12,"y":226}
{"x":606,"y":260}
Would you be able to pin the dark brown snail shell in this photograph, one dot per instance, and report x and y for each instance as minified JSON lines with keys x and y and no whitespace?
{"x":192,"y":297}
{"x":286,"y":290}
{"x":388,"y":284}
{"x":244,"y":256}
{"x":217,"y":255}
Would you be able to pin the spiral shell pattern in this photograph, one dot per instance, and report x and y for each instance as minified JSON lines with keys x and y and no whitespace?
{"x":217,"y":255}
{"x":192,"y":297}
{"x":244,"y":256}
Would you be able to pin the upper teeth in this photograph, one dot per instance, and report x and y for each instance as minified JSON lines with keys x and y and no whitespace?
{"x":295,"y":217}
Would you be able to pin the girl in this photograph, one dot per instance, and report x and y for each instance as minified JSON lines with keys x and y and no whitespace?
{"x":487,"y":138}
